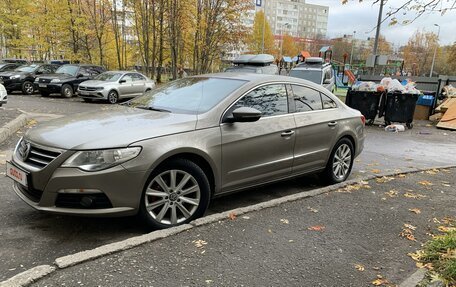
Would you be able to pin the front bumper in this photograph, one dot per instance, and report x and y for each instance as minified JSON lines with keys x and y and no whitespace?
{"x":101,"y":94}
{"x":4,"y":100}
{"x":119,"y":190}
{"x":12,"y":84}
{"x":51,"y":88}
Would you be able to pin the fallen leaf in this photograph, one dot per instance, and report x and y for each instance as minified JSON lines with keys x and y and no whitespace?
{"x":316,"y":228}
{"x":401,"y":175}
{"x":375,"y":170}
{"x":232,"y":216}
{"x":312,"y":209}
{"x":384,"y":179}
{"x":199,"y":243}
{"x":284,"y":221}
{"x":392,"y":193}
{"x":379,"y":282}
{"x":407,"y":233}
{"x":446,"y":228}
{"x":409,"y":226}
{"x":415,"y":210}
{"x":359,"y":267}
{"x":425,"y":182}
{"x":209,"y":281}
{"x":432,"y":171}
{"x":414,"y":195}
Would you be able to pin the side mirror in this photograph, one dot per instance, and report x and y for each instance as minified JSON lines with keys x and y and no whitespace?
{"x":327,"y":81}
{"x":244,"y":114}
{"x":79,"y":76}
{"x":122,"y":81}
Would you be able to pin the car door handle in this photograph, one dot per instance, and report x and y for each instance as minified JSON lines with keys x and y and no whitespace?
{"x":332,"y":124}
{"x":287,"y":133}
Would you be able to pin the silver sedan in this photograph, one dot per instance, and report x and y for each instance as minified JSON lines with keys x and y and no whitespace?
{"x":115,"y":85}
{"x":165,"y":154}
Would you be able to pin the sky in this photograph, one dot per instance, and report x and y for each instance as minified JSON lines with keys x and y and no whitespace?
{"x":362,"y":18}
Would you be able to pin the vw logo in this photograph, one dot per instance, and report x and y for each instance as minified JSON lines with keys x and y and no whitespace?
{"x":24,"y":149}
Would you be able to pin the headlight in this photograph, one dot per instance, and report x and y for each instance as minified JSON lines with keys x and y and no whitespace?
{"x":55,"y":80}
{"x":15,"y":77}
{"x":98,"y":88}
{"x":96,"y":160}
{"x":37,"y":80}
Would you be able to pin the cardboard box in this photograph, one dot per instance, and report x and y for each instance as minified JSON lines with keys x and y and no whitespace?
{"x":421,"y":112}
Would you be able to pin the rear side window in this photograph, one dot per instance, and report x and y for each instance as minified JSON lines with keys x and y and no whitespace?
{"x":328,"y":103}
{"x":306,"y":99}
{"x":270,"y":100}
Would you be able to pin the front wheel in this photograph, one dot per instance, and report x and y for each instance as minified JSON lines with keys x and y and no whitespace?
{"x":177,"y":193}
{"x":27,"y":88}
{"x":113,"y":97}
{"x":340,"y":162}
{"x":67,"y":91}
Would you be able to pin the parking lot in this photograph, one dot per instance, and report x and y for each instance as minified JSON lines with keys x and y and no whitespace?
{"x":30,"y":238}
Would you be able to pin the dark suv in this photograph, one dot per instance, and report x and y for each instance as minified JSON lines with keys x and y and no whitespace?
{"x":22,"y":78}
{"x":8,"y":66}
{"x":66,"y":79}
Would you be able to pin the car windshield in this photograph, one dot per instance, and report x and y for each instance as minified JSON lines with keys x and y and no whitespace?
{"x":188,"y":96}
{"x":68,"y":69}
{"x":310,"y":75}
{"x":108,"y":77}
{"x":28,"y":68}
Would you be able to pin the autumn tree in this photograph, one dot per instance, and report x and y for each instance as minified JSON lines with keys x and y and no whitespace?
{"x":256,"y":37}
{"x":289,"y":47}
{"x":419,"y":51}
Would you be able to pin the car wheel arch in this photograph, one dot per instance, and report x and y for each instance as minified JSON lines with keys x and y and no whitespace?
{"x":195,"y":156}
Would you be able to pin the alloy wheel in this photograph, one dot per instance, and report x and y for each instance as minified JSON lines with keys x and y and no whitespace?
{"x":112,"y":97}
{"x":172,"y":197}
{"x":28,"y":88}
{"x":342,"y":161}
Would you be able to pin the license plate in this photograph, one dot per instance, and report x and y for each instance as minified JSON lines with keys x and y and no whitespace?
{"x":42,"y":85}
{"x":83,"y":92}
{"x":16,"y":174}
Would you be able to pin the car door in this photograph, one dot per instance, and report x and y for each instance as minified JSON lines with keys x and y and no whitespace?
{"x":261,"y":151}
{"x":316,"y":128}
{"x":82,"y":75}
{"x":126,"y":85}
{"x":138,"y":84}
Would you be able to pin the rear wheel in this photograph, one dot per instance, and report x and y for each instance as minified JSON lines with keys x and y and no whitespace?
{"x":340,"y":162}
{"x":67,"y":91}
{"x":27,"y":88}
{"x":177,"y":193}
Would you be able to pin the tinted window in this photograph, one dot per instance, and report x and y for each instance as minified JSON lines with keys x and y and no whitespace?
{"x":68,"y":69}
{"x":328,"y":103}
{"x":306,"y":99}
{"x":108,"y":76}
{"x":189,"y":95}
{"x":271,"y":100}
{"x":137,"y":77}
{"x":310,"y":75}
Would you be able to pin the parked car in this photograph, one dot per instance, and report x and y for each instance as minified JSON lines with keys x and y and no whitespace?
{"x":3,"y":95}
{"x":22,"y":78}
{"x":8,"y":66}
{"x":115,"y":85}
{"x":165,"y":154}
{"x":315,"y":70}
{"x":66,"y":79}
{"x":259,"y":64}
{"x":15,"y":61}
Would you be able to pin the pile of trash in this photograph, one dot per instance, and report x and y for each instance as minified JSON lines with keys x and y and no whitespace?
{"x":445,"y":113}
{"x":389,"y":84}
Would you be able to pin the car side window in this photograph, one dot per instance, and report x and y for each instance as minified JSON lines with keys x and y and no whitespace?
{"x":270,"y":100}
{"x":306,"y":99}
{"x":328,"y":103}
{"x":127,"y":78}
{"x":137,"y":77}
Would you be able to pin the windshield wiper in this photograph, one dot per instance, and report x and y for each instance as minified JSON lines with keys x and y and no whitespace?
{"x":152,"y":109}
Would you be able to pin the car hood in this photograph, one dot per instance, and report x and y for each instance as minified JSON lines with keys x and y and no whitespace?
{"x":94,"y":83}
{"x":55,"y":76}
{"x":115,"y":127}
{"x":8,"y":73}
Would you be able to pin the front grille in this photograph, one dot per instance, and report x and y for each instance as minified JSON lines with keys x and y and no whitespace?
{"x":39,"y":157}
{"x":92,"y":201}
{"x":44,"y":80}
{"x":32,"y":194}
{"x":89,"y":89}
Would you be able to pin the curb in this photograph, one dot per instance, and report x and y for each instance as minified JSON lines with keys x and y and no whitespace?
{"x":414,"y":279}
{"x":11,"y":127}
{"x":32,"y":275}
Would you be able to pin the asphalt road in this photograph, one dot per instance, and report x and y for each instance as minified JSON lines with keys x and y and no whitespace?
{"x":30,"y":238}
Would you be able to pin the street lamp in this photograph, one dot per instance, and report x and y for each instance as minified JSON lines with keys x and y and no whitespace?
{"x":435,"y":51}
{"x":351,"y":54}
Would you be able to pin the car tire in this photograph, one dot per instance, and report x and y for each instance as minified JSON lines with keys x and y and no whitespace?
{"x":340,"y":162}
{"x":113,"y":97}
{"x":165,"y":205}
{"x":27,"y":88}
{"x":67,"y":91}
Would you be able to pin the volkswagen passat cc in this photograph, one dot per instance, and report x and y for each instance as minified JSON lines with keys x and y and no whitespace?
{"x":115,"y":85}
{"x":165,"y":154}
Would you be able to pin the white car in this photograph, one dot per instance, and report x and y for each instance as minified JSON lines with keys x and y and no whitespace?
{"x":3,"y":95}
{"x":315,"y":69}
{"x":115,"y":85}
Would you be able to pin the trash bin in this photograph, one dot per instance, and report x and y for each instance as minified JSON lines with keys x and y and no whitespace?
{"x":367,"y":102}
{"x":400,"y":108}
